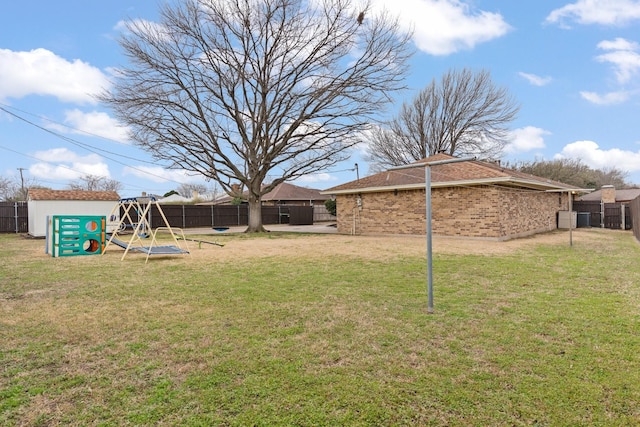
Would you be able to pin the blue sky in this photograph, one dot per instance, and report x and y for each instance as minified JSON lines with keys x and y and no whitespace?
{"x":574,"y":66}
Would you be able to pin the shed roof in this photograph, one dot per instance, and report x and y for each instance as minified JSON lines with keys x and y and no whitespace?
{"x":471,"y":172}
{"x":46,"y":194}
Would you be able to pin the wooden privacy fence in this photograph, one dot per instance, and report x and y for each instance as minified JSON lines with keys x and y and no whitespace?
{"x":634,"y":207}
{"x":198,"y":216}
{"x":14,"y":217}
{"x":605,"y":215}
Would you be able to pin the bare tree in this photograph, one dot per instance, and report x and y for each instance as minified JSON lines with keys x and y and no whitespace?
{"x":238,"y":89}
{"x":575,"y":172}
{"x":95,"y":183}
{"x":12,"y":190}
{"x":462,"y":114}
{"x":8,"y":189}
{"x":187,"y":190}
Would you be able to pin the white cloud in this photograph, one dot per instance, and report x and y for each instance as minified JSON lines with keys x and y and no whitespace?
{"x":526,"y":139}
{"x":64,"y":164}
{"x":603,"y":12}
{"x":315,"y":178}
{"x":535,"y":80}
{"x":442,"y":27}
{"x":610,"y":98}
{"x":93,"y":123}
{"x":41,"y":72}
{"x":593,"y":156}
{"x":161,"y":175}
{"x":623,"y":55}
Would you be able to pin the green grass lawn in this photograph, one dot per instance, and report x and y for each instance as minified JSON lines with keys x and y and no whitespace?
{"x":548,"y":335}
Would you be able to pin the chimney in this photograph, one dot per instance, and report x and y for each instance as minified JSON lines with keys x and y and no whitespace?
{"x":608,"y":194}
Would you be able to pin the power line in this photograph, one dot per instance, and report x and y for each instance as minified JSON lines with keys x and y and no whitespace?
{"x":84,"y":146}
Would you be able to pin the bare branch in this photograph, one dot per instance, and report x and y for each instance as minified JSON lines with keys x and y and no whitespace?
{"x":240,"y":89}
{"x":463,"y":114}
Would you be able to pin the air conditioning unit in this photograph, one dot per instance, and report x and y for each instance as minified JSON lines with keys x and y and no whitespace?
{"x":563,"y":219}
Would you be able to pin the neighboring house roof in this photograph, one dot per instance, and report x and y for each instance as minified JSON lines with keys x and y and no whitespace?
{"x":286,"y":191}
{"x":472,"y":172}
{"x":45,"y":194}
{"x":623,"y":195}
{"x":283,"y":192}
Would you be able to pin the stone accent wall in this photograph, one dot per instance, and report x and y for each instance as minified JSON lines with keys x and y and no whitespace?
{"x":480,"y":212}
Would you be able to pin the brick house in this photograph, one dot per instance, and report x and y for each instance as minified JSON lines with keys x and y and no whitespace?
{"x":469,"y":199}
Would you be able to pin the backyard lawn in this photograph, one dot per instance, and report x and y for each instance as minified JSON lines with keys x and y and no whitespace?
{"x":324,"y":330}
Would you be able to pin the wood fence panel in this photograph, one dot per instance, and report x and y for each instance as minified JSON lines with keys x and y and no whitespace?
{"x":320,"y":214}
{"x":612,"y":213}
{"x":14,"y":217}
{"x":634,"y":208}
{"x":229,"y":216}
{"x":301,"y":215}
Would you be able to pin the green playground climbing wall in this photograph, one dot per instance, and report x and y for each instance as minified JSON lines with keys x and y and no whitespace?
{"x":74,"y":235}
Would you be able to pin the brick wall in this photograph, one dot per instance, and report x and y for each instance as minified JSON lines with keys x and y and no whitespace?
{"x":481,"y":212}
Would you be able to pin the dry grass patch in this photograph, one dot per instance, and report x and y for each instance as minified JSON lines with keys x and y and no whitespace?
{"x":292,"y":329}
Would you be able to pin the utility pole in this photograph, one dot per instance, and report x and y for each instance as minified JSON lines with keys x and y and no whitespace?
{"x":22,"y":193}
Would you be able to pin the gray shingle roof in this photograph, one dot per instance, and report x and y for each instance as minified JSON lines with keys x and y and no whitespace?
{"x":622,"y":195}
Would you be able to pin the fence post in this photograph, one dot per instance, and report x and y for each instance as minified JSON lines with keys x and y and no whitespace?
{"x":15,"y":215}
{"x":623,"y":225}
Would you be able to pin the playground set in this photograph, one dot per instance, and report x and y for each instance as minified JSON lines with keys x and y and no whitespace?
{"x":73,"y":235}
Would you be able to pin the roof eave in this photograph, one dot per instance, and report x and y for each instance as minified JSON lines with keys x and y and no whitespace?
{"x":535,"y":185}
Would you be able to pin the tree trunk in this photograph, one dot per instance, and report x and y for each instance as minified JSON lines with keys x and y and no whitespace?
{"x":255,"y":215}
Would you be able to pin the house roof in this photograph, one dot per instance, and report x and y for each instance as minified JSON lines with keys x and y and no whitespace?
{"x":286,"y":191}
{"x":623,"y":195}
{"x":461,"y":173}
{"x":283,"y":191}
{"x":45,"y":194}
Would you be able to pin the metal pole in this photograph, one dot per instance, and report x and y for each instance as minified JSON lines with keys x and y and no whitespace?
{"x":427,"y":190}
{"x":570,"y":194}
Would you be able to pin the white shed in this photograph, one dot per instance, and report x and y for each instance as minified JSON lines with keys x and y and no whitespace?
{"x":43,"y":204}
